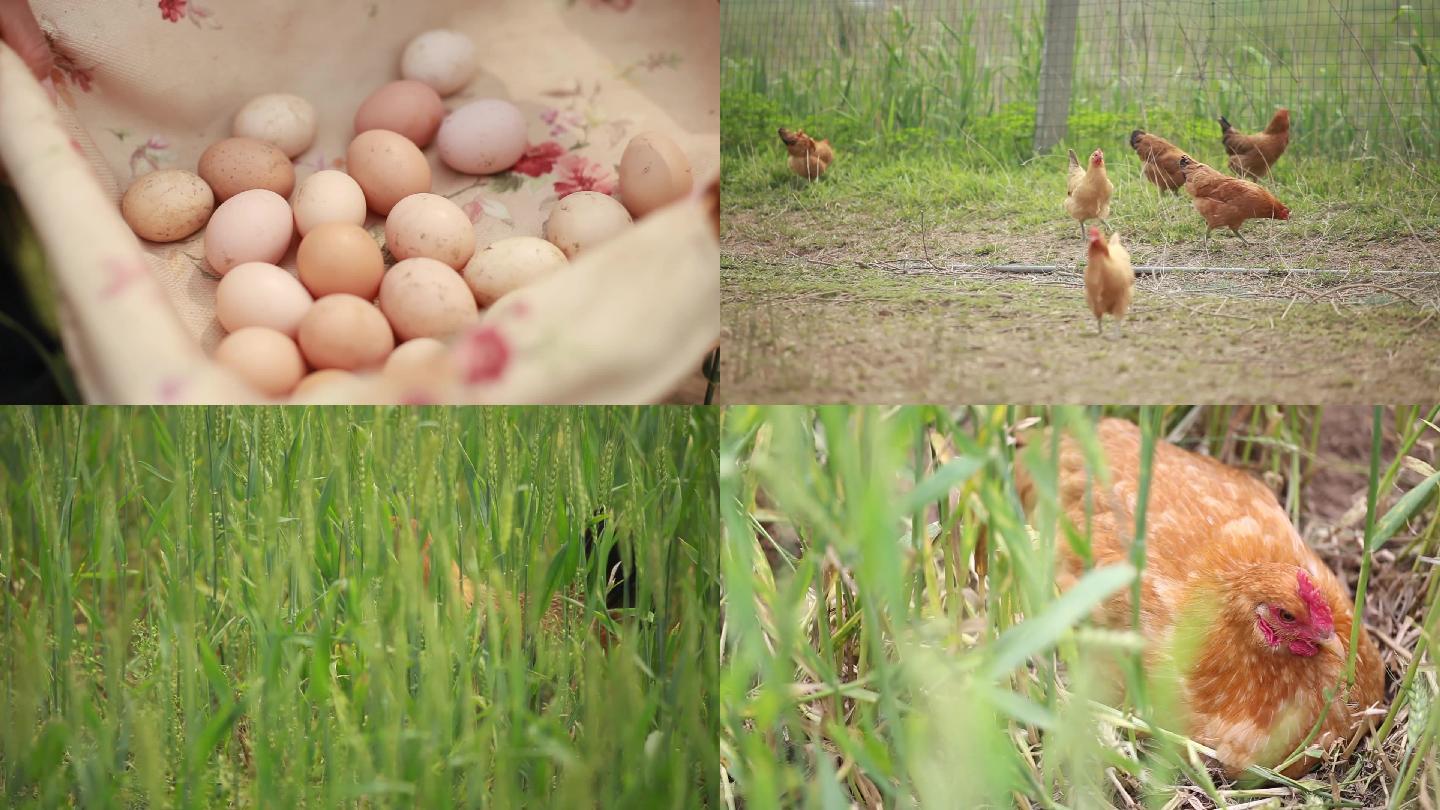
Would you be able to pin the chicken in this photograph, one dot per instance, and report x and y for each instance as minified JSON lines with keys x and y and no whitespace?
{"x":809,"y":158}
{"x":1239,"y":617}
{"x":1087,"y":191}
{"x":1226,"y":202}
{"x":619,"y":589}
{"x":1159,"y":160}
{"x":1254,"y":155}
{"x":1109,"y":279}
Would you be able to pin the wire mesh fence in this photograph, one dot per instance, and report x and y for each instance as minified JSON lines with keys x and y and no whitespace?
{"x":1357,"y":75}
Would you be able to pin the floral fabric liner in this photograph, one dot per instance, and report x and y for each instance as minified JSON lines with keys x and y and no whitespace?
{"x":146,"y":85}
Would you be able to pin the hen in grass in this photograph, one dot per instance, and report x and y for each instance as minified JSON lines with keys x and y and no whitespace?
{"x":1226,"y":202}
{"x":809,"y":158}
{"x":1254,"y":155}
{"x":1159,"y":160}
{"x":1109,"y":279}
{"x":1244,"y":625}
{"x":1088,"y":190}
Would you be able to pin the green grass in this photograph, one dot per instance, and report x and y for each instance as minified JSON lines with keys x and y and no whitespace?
{"x":208,"y":607}
{"x":866,"y":659}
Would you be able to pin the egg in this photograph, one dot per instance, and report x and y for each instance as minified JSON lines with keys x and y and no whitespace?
{"x":260,"y":294}
{"x":482,"y":137}
{"x":426,"y":298}
{"x":327,"y":196}
{"x":265,"y":359}
{"x":240,"y":164}
{"x":338,"y":257}
{"x":317,"y":382}
{"x":431,"y":226}
{"x":388,"y":166}
{"x":346,"y":332}
{"x":167,"y":205}
{"x":583,"y":220}
{"x":507,"y":265}
{"x":443,"y":59}
{"x":654,"y":172}
{"x":252,"y":226}
{"x":282,"y":119}
{"x":410,"y":108}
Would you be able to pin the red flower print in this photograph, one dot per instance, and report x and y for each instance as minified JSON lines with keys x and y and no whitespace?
{"x":579,"y":173}
{"x":172,"y":10}
{"x":539,"y":159}
{"x":123,"y":273}
{"x":484,"y":355}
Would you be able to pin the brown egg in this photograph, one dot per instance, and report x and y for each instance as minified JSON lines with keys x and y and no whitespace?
{"x":167,"y":205}
{"x":408,"y":107}
{"x":240,"y":164}
{"x":343,"y":331}
{"x":338,"y":257}
{"x":264,"y":358}
{"x":388,"y":166}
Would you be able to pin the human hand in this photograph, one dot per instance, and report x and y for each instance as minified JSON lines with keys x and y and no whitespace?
{"x":19,"y":30}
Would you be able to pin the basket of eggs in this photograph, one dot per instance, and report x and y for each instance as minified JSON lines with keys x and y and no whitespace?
{"x":496,"y":202}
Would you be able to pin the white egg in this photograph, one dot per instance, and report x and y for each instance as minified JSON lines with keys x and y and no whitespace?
{"x":431,"y":226}
{"x":443,"y":59}
{"x":286,"y":120}
{"x":261,"y":294}
{"x":328,"y":196}
{"x":507,"y":265}
{"x":583,"y":220}
{"x":483,"y":137}
{"x":654,"y":172}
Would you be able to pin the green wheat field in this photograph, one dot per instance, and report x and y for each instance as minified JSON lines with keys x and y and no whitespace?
{"x":209,"y":607}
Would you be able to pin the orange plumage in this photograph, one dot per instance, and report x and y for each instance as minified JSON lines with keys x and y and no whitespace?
{"x":1226,"y":202}
{"x":1254,"y":155}
{"x":1109,"y":279}
{"x":1245,"y":623}
{"x":1159,"y":160}
{"x":809,"y":158}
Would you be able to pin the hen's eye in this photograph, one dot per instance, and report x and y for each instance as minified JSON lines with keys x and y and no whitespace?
{"x":1286,"y":615}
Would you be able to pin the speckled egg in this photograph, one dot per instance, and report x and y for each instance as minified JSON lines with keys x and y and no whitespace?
{"x":252,"y":226}
{"x":654,"y":172}
{"x":240,"y":164}
{"x":265,"y":359}
{"x":327,"y":196}
{"x":260,"y":294}
{"x":443,"y":59}
{"x":482,"y":137}
{"x":282,"y":119}
{"x":583,"y":220}
{"x":431,"y":226}
{"x":167,"y":205}
{"x":410,"y":108}
{"x":388,"y":166}
{"x":346,"y":332}
{"x":426,"y":298}
{"x":507,"y":265}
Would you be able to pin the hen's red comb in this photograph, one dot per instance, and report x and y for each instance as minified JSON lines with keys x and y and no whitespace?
{"x":1319,"y":609}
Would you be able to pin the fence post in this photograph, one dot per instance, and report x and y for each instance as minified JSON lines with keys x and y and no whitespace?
{"x":1056,"y":68}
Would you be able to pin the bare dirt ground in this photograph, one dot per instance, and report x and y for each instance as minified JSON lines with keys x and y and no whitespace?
{"x":817,"y":308}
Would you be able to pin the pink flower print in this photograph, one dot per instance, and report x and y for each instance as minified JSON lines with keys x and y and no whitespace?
{"x":539,"y":159}
{"x":148,"y":152}
{"x":617,"y":5}
{"x":579,"y":173}
{"x":169,"y":390}
{"x":172,"y":10}
{"x":560,"y":121}
{"x":475,"y":209}
{"x":123,"y":273}
{"x":484,"y":354}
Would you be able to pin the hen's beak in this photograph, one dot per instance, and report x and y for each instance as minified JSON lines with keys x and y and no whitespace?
{"x":1332,"y":643}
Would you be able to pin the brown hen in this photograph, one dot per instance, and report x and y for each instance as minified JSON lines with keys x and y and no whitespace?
{"x":1254,"y":155}
{"x":1226,"y":202}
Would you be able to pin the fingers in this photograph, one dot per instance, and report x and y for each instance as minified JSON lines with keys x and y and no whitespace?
{"x":20,"y":31}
